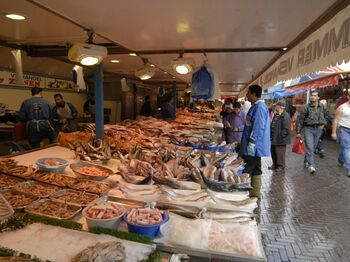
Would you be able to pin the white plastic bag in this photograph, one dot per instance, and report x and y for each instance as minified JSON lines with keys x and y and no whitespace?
{"x":236,"y":239}
{"x":192,"y":233}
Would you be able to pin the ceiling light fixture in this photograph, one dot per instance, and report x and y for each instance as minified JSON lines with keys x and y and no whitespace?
{"x":115,"y":61}
{"x":132,"y":54}
{"x":87,"y":54}
{"x":146,"y":72}
{"x":14,"y":16}
{"x":183,"y":65}
{"x":284,"y":48}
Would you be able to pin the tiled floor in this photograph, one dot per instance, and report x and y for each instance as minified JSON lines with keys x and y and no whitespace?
{"x":305,"y":217}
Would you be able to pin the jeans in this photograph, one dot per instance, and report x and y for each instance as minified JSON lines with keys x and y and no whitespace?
{"x":345,"y":146}
{"x":341,"y":153}
{"x":311,"y":138}
{"x":37,"y":132}
{"x":319,"y":147}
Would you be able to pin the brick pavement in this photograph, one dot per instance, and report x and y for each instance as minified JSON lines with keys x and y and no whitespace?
{"x":305,"y":217}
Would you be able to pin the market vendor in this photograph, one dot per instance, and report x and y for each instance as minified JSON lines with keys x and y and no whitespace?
{"x":146,"y":109}
{"x":89,"y":105}
{"x":64,"y":116}
{"x":255,"y":141}
{"x":168,"y":111}
{"x":36,"y":112}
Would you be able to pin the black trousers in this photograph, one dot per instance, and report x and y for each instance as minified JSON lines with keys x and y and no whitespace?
{"x":278,"y":155}
{"x":252,"y":165}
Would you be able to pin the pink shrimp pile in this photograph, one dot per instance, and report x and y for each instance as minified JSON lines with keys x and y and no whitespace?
{"x":145,"y":216}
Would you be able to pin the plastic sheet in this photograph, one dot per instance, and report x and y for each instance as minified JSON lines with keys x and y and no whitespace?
{"x":192,"y":233}
{"x":238,"y":239}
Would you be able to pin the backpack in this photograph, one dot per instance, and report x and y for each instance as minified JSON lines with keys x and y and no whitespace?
{"x":201,"y":84}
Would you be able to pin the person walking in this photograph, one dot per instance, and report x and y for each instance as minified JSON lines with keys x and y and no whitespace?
{"x":342,"y":122}
{"x":312,"y":120}
{"x":36,"y":112}
{"x":64,"y":115}
{"x":343,"y":99}
{"x":280,"y":137}
{"x":329,"y":118}
{"x":255,"y":141}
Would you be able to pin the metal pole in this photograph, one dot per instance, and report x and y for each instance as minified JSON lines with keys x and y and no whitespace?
{"x":174,"y":97}
{"x":308,"y":96}
{"x":99,"y":108}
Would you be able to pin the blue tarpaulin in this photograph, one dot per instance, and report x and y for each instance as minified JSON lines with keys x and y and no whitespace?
{"x":278,"y":90}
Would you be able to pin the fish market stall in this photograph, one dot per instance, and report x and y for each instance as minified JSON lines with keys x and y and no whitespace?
{"x":148,"y":177}
{"x":67,"y":195}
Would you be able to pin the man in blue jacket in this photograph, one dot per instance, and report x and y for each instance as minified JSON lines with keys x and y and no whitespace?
{"x":37,"y":113}
{"x":256,"y":137}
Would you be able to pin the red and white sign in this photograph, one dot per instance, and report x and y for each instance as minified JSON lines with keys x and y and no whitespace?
{"x":9,"y":78}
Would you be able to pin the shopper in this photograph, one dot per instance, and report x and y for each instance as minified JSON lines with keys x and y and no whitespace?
{"x":343,"y":99}
{"x":290,"y":109}
{"x":223,"y":113}
{"x":329,"y":119}
{"x":255,"y":141}
{"x":64,"y":115}
{"x":146,"y":109}
{"x":235,"y":120}
{"x":227,"y":101}
{"x":168,"y":110}
{"x":342,"y":122}
{"x":246,"y":106}
{"x":280,"y":137}
{"x":89,"y":105}
{"x":312,"y":120}
{"x":37,"y":112}
{"x":227,"y":121}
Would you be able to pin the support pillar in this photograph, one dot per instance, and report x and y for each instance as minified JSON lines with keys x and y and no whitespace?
{"x":99,"y":107}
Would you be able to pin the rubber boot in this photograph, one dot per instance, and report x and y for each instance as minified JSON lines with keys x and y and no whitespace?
{"x":256,"y":184}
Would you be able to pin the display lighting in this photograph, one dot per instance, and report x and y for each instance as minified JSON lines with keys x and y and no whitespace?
{"x":115,"y":61}
{"x":87,"y":54}
{"x":146,"y":72}
{"x":14,"y":16}
{"x":183,"y":65}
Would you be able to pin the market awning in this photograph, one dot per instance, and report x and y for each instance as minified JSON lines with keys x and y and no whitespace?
{"x":329,"y":80}
{"x":327,"y":46}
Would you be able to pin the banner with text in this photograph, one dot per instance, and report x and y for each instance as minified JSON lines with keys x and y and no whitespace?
{"x":9,"y":78}
{"x":327,"y":46}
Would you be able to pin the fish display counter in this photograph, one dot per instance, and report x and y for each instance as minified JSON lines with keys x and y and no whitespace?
{"x":192,"y":206}
{"x":141,"y":178}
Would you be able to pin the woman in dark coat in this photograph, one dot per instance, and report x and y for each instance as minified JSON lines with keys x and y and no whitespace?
{"x":280,"y":137}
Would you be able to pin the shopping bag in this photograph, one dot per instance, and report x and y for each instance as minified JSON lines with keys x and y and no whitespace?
{"x":298,"y":146}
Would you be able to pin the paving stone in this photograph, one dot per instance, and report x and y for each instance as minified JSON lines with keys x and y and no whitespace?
{"x":304,"y":217}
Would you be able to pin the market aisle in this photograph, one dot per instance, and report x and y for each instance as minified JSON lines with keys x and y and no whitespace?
{"x":303,"y":217}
